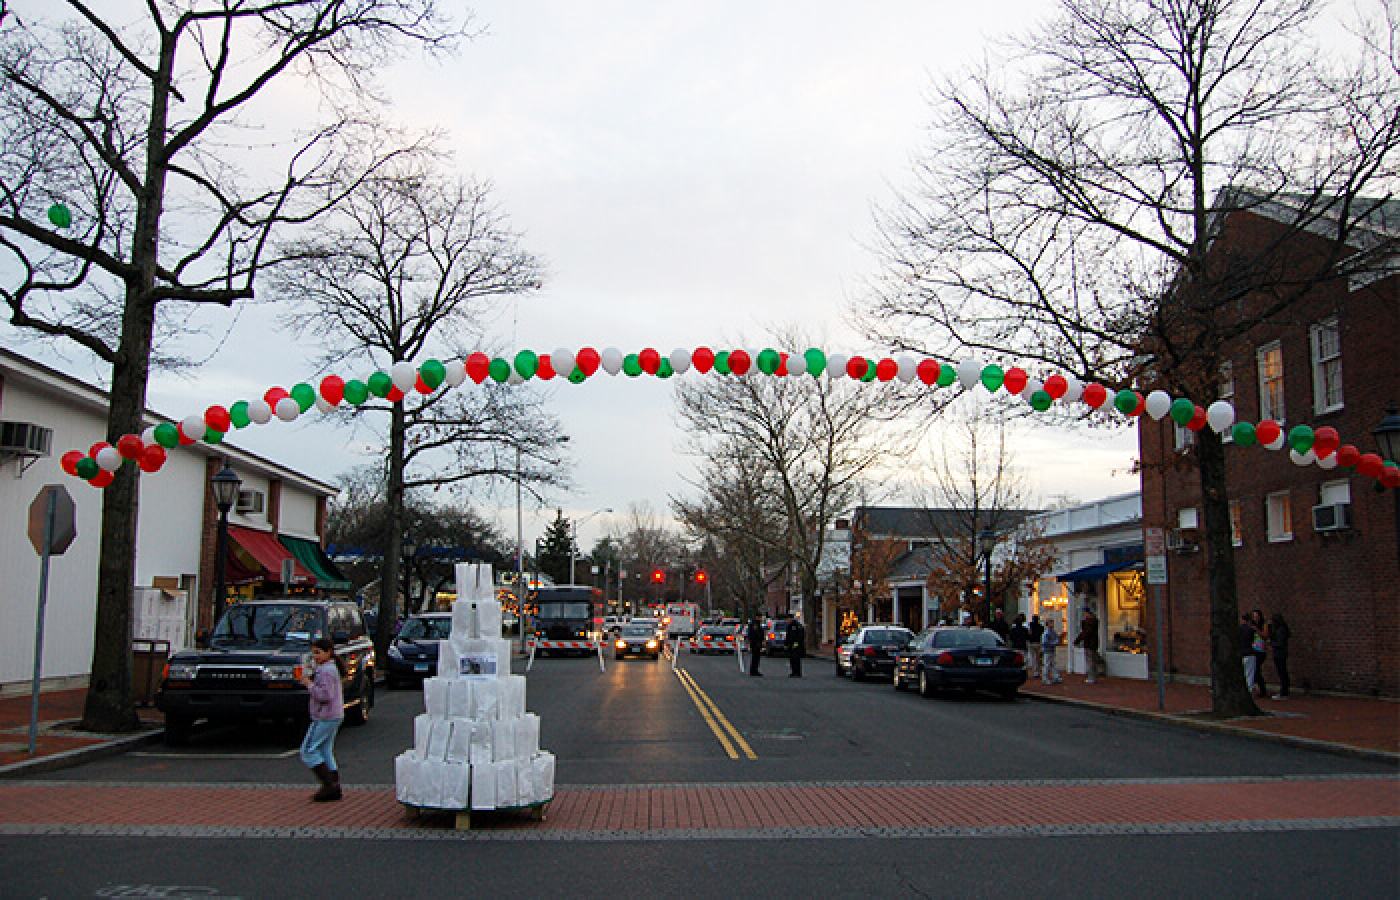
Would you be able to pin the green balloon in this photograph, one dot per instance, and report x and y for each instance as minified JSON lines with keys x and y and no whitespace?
{"x":1300,"y":438}
{"x":869,"y":373}
{"x":238,"y":414}
{"x":60,"y":216}
{"x":527,"y":363}
{"x":305,"y":395}
{"x":631,"y":365}
{"x":212,"y":436}
{"x":1125,"y":401}
{"x":1242,"y":433}
{"x":356,"y":391}
{"x":722,"y":363}
{"x":380,"y":384}
{"x":433,"y":373}
{"x":1182,"y":411}
{"x":769,"y":360}
{"x":86,"y":468}
{"x":665,"y":370}
{"x":167,"y":435}
{"x":816,"y":361}
{"x":1041,"y":401}
{"x":993,"y":376}
{"x":946,"y":374}
{"x":500,"y":370}
{"x":577,"y":376}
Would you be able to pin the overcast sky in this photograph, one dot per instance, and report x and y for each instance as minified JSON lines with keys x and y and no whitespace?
{"x":692,"y":173}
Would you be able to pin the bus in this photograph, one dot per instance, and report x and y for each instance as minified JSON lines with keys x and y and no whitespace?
{"x":568,"y":613}
{"x":681,"y":619}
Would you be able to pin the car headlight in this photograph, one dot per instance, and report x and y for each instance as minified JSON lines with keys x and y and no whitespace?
{"x":622,"y":645}
{"x":395,"y":652}
{"x":281,"y":673}
{"x":181,"y":671}
{"x":651,"y":645}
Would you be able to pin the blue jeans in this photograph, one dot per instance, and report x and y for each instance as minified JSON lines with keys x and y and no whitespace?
{"x":316,"y":747}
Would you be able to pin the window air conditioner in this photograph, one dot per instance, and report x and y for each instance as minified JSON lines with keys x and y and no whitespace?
{"x":249,"y":502}
{"x":1183,"y":540}
{"x":1331,"y":517}
{"x":25,"y":439}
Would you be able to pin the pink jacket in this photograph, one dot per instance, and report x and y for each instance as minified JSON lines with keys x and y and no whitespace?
{"x":327,"y":701}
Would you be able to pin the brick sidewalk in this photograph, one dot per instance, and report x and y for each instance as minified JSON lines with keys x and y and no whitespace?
{"x":59,"y":712}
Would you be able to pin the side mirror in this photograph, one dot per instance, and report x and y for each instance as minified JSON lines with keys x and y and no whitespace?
{"x":340,"y":637}
{"x":201,"y":638}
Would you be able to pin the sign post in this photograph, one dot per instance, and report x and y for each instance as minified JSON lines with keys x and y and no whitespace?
{"x":1157,"y":578}
{"x":51,"y":531}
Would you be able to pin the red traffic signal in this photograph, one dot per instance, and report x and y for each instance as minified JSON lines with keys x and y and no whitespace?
{"x":658,"y":576}
{"x":701,"y":577}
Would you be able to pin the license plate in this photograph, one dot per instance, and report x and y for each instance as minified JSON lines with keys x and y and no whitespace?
{"x":421,"y":667}
{"x":984,"y":661}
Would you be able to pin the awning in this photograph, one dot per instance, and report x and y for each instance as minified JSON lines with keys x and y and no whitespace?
{"x":260,"y":552}
{"x":310,"y":555}
{"x":1098,"y":572}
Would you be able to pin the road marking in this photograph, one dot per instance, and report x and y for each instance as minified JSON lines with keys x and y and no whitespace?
{"x":724,"y":722}
{"x":705,"y":714}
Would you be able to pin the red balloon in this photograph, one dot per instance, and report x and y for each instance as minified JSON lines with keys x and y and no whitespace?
{"x":152,"y":458}
{"x":69,"y":461}
{"x":588,"y":360}
{"x":650,"y":361}
{"x":1014,"y":380}
{"x":129,"y":446}
{"x":1267,"y":431}
{"x":856,"y":366}
{"x":1370,"y":465}
{"x":1347,"y":455}
{"x":886,"y":369}
{"x":104,"y":478}
{"x":217,"y":418}
{"x":703,"y":359}
{"x":1095,"y":395}
{"x":739,"y":362}
{"x":394,"y":395}
{"x":100,"y":445}
{"x":928,"y":371}
{"x":421,"y":386}
{"x":332,"y":390}
{"x":1390,"y":477}
{"x":478,"y":367}
{"x":273,"y":395}
{"x":782,"y":364}
{"x":185,"y":440}
{"x":546,"y":369}
{"x":1325,"y":441}
{"x":1198,"y":420}
{"x":1056,"y":386}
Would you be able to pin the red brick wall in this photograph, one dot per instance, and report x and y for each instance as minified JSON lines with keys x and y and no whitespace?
{"x":1340,"y":592}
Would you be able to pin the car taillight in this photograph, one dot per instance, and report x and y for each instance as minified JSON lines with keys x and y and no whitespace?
{"x":1017,"y":659}
{"x":945,"y":659}
{"x":772,"y":636}
{"x":868,"y":651}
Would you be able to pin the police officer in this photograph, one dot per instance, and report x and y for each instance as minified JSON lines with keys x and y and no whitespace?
{"x":755,"y":636}
{"x":796,"y":646}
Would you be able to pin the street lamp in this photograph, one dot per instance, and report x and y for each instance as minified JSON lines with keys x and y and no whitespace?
{"x":573,"y":537}
{"x":225,"y":485}
{"x":987,"y":540}
{"x":1387,"y":435}
{"x":410,"y":550}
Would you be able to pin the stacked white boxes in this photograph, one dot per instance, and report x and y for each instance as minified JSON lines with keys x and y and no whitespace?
{"x":475,"y":747}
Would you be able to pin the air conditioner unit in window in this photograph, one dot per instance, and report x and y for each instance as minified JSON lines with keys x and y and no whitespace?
{"x":249,"y":502}
{"x":1331,"y":517}
{"x":1183,"y":540}
{"x":25,"y":439}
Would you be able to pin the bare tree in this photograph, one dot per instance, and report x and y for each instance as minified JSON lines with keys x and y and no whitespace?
{"x":645,"y":544}
{"x":412,"y":262}
{"x":1070,"y":209}
{"x":131,"y":126}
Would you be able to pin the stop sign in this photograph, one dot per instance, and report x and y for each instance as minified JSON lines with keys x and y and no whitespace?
{"x":64,"y":526}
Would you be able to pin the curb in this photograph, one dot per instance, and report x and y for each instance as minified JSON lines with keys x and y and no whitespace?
{"x":1223,"y":728}
{"x":79,"y":755}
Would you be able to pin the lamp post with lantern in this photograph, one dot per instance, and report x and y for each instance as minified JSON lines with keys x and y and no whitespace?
{"x":987,"y":543}
{"x":225,"y":484}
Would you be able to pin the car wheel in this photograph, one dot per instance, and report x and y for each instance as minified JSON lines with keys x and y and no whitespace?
{"x":925,"y":689}
{"x":898,"y":682}
{"x":359,"y":713}
{"x":857,"y":673}
{"x":617,"y":657}
{"x":177,"y":730}
{"x":839,"y":673}
{"x":1007,"y":693}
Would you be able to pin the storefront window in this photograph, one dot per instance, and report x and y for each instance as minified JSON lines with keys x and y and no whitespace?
{"x":1052,"y":602}
{"x":1126,"y":592}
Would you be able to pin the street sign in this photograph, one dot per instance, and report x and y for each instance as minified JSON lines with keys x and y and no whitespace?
{"x":1156,"y":570}
{"x":1156,"y":547}
{"x":1156,"y":541}
{"x":52,"y":502}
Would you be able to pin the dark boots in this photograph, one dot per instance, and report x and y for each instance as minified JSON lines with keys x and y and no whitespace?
{"x":330,"y":783}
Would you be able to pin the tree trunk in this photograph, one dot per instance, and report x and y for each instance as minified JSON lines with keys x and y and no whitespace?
{"x":389,"y":573}
{"x":1229,"y":694}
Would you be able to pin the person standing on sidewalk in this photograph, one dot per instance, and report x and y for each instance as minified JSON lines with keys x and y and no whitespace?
{"x":1000,"y":625}
{"x":796,"y":646}
{"x":1019,"y":635}
{"x":327,"y":712}
{"x":1049,"y":641}
{"x":1036,"y":630}
{"x":755,"y":638}
{"x":1260,"y":646}
{"x":1088,"y":640}
{"x":1278,"y":642}
{"x":1247,"y":657}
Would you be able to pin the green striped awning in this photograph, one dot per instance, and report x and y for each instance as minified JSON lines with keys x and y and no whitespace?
{"x":310,"y":555}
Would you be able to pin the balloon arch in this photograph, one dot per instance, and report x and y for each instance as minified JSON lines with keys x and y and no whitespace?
{"x":1322,"y":447}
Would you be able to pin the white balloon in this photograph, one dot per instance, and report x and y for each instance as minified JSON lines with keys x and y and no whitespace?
{"x":969,"y":373}
{"x":1328,"y":462}
{"x":259,"y":412}
{"x":515,"y":378}
{"x":108,"y":459}
{"x":836,"y":365}
{"x":796,"y":364}
{"x":1220,"y":415}
{"x":1032,"y":385}
{"x":193,"y":427}
{"x":908,"y":368}
{"x":680,"y":360}
{"x":456,"y":373}
{"x":612,"y":360}
{"x":1075,"y":391}
{"x":1302,"y":459}
{"x":323,"y":405}
{"x":404,"y":375}
{"x":563,"y":361}
{"x":1276,"y":443}
{"x":288,"y":409}
{"x":1159,"y":403}
{"x":148,"y":437}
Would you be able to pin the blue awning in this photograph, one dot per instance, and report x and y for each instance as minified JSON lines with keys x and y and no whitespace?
{"x":1097,"y":572}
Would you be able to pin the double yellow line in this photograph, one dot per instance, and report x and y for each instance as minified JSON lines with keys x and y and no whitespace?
{"x":728,"y":736}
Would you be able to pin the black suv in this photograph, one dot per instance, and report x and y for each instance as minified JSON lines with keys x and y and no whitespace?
{"x":250,"y":666}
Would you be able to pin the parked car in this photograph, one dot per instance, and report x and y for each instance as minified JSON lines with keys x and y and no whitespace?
{"x":612,"y":624}
{"x":956,"y":656}
{"x":775,"y":637}
{"x":250,"y":666}
{"x":637,"y":640}
{"x":713,"y":639}
{"x":413,"y":654}
{"x":874,"y":648}
{"x":843,"y":654}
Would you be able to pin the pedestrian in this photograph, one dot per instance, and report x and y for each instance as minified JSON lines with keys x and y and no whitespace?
{"x":1278,"y":643}
{"x":1018,"y":636}
{"x":1000,"y":625}
{"x":327,"y":712}
{"x":1247,"y":657}
{"x":1049,"y":641}
{"x":796,"y":647}
{"x":1260,"y":646}
{"x":755,"y":637}
{"x":1088,"y":640}
{"x":1036,"y":629}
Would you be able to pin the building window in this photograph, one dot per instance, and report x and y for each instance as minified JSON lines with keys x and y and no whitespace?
{"x":1237,"y":523}
{"x":1279,"y":515}
{"x":1187,"y":517}
{"x":1183,"y":438}
{"x":1334,"y":492}
{"x":1327,"y":366}
{"x":1270,"y":361}
{"x":1227,"y":392}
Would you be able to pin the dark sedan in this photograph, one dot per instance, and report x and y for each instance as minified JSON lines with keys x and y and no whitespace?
{"x":874,"y":649}
{"x":958,"y":657}
{"x":414,"y":653}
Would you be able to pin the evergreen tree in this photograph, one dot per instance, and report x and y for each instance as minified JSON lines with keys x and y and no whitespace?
{"x":555,"y":548}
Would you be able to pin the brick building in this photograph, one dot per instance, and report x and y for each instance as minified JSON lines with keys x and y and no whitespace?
{"x":1318,"y":545}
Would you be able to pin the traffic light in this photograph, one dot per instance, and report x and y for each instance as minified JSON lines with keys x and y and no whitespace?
{"x":701,"y":577}
{"x":658,"y":576}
